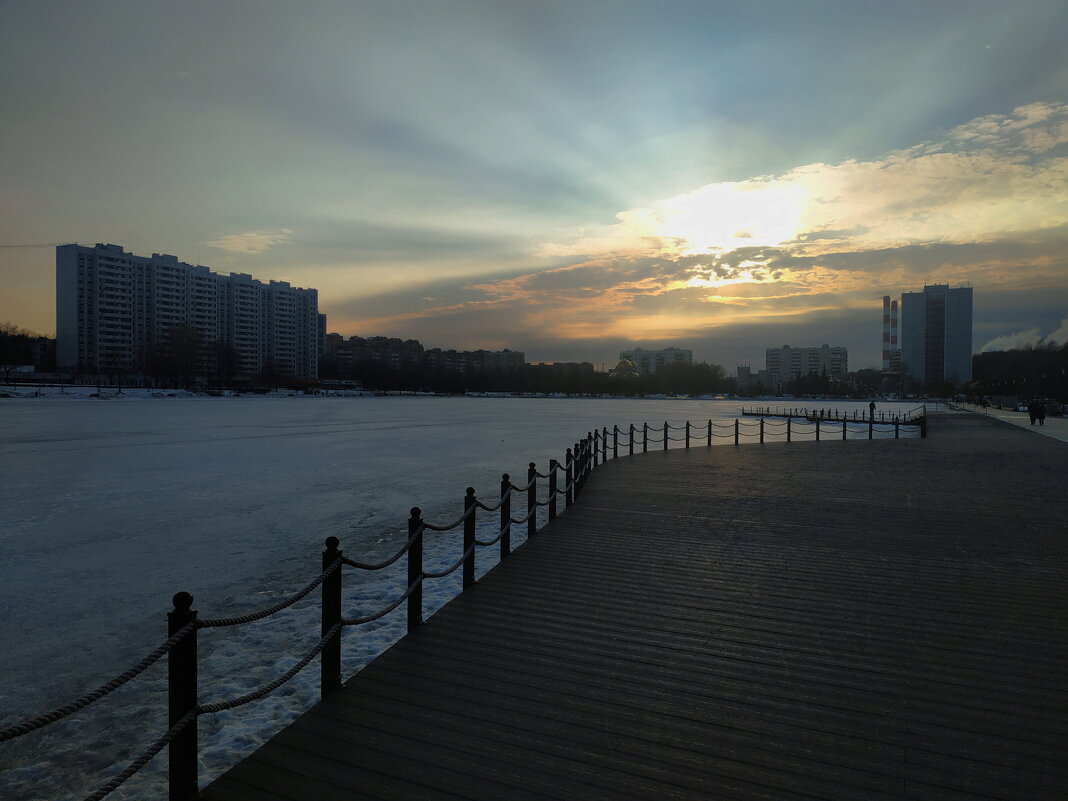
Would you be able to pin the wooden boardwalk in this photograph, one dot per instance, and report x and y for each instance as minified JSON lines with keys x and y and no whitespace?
{"x":838,"y":620}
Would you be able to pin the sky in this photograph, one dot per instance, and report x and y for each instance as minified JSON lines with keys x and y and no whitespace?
{"x":569,"y":179}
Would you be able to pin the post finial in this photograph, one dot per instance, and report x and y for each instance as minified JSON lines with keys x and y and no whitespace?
{"x":531,"y":466}
{"x":505,"y":477}
{"x":332,"y":543}
{"x":416,"y":513}
{"x":470,"y":491}
{"x":182,"y":601}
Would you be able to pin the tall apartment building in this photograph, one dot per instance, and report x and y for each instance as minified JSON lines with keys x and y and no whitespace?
{"x":648,"y":362}
{"x":114,"y":309}
{"x":891,"y":351}
{"x":936,"y":334}
{"x":786,"y":363}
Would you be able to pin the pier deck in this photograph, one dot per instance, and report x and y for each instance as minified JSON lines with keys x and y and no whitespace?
{"x":838,"y":620}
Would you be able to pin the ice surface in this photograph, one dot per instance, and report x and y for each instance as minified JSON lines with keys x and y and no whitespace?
{"x":109,"y":507}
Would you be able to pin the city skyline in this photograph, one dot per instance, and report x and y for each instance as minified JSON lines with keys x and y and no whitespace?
{"x":567,"y":180}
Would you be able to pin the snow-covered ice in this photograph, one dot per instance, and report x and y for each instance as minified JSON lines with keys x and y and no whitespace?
{"x":107,"y":508}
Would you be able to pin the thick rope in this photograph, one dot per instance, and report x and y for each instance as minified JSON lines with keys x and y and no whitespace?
{"x":443,"y":573}
{"x":495,"y":540}
{"x":214,"y":623}
{"x":521,"y":520}
{"x":40,"y":722}
{"x":145,"y":757}
{"x":270,"y":687}
{"x":388,"y":562}
{"x":480,"y":505}
{"x":356,"y":621}
{"x":467,"y":513}
{"x":530,"y":484}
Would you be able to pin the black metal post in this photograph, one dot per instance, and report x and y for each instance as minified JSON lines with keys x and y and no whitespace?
{"x":687,"y":435}
{"x":596,"y":449}
{"x":181,"y":698}
{"x":532,"y":501}
{"x":615,"y":442}
{"x":871,"y":428}
{"x":469,"y":538}
{"x":897,"y":430}
{"x":923,"y":426}
{"x":632,"y":439}
{"x":330,"y":661}
{"x":415,"y":569}
{"x":735,"y":430}
{"x":844,"y":424}
{"x":506,"y":508}
{"x":578,"y":470}
{"x":665,"y":435}
{"x":761,"y":430}
{"x":710,"y":433}
{"x":569,"y":470}
{"x":552,"y":489}
{"x":789,"y":420}
{"x":817,"y":429}
{"x":645,"y":437}
{"x":604,"y":444}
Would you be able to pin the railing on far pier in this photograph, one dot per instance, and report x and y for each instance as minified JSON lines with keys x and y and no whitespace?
{"x":913,"y":417}
{"x":563,"y":481}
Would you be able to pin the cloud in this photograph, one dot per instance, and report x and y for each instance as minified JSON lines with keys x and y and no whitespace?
{"x":251,"y":242}
{"x":985,"y":204}
{"x":994,"y":176}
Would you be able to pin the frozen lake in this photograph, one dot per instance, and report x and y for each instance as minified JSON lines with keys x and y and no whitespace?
{"x":108,"y":508}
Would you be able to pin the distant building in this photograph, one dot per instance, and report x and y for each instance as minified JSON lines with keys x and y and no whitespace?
{"x":936,"y":334}
{"x":115,"y":309}
{"x":891,"y":351}
{"x":404,"y":353}
{"x":786,"y":363}
{"x":647,"y":362}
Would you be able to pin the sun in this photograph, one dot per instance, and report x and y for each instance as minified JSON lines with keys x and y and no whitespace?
{"x":726,"y":216}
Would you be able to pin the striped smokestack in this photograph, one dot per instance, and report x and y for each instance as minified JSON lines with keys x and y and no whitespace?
{"x":886,"y":332}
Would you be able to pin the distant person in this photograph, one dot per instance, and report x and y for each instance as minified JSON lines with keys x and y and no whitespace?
{"x":1040,"y":412}
{"x":1032,"y":411}
{"x":871,"y":409}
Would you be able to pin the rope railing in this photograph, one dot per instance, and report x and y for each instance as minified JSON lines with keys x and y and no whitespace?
{"x":369,"y":618}
{"x":19,"y":729}
{"x":379,"y":565}
{"x":443,"y":573}
{"x":239,"y":620}
{"x":597,"y":447}
{"x":451,"y":525}
{"x":271,"y":686}
{"x":146,"y":756}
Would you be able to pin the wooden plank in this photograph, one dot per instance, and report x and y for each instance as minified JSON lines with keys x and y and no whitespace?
{"x":868,"y":619}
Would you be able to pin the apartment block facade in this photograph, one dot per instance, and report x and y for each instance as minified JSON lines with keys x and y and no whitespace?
{"x":936,"y":334}
{"x":116,"y":312}
{"x":786,"y":363}
{"x":648,"y":362}
{"x":403,"y":353}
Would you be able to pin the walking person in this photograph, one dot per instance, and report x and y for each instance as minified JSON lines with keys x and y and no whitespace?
{"x":1032,"y":410}
{"x":871,"y":409}
{"x":1040,"y":412}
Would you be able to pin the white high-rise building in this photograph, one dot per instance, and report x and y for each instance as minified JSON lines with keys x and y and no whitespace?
{"x":114,"y":309}
{"x":936,"y":334}
{"x":649,"y":361}
{"x":786,"y":363}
